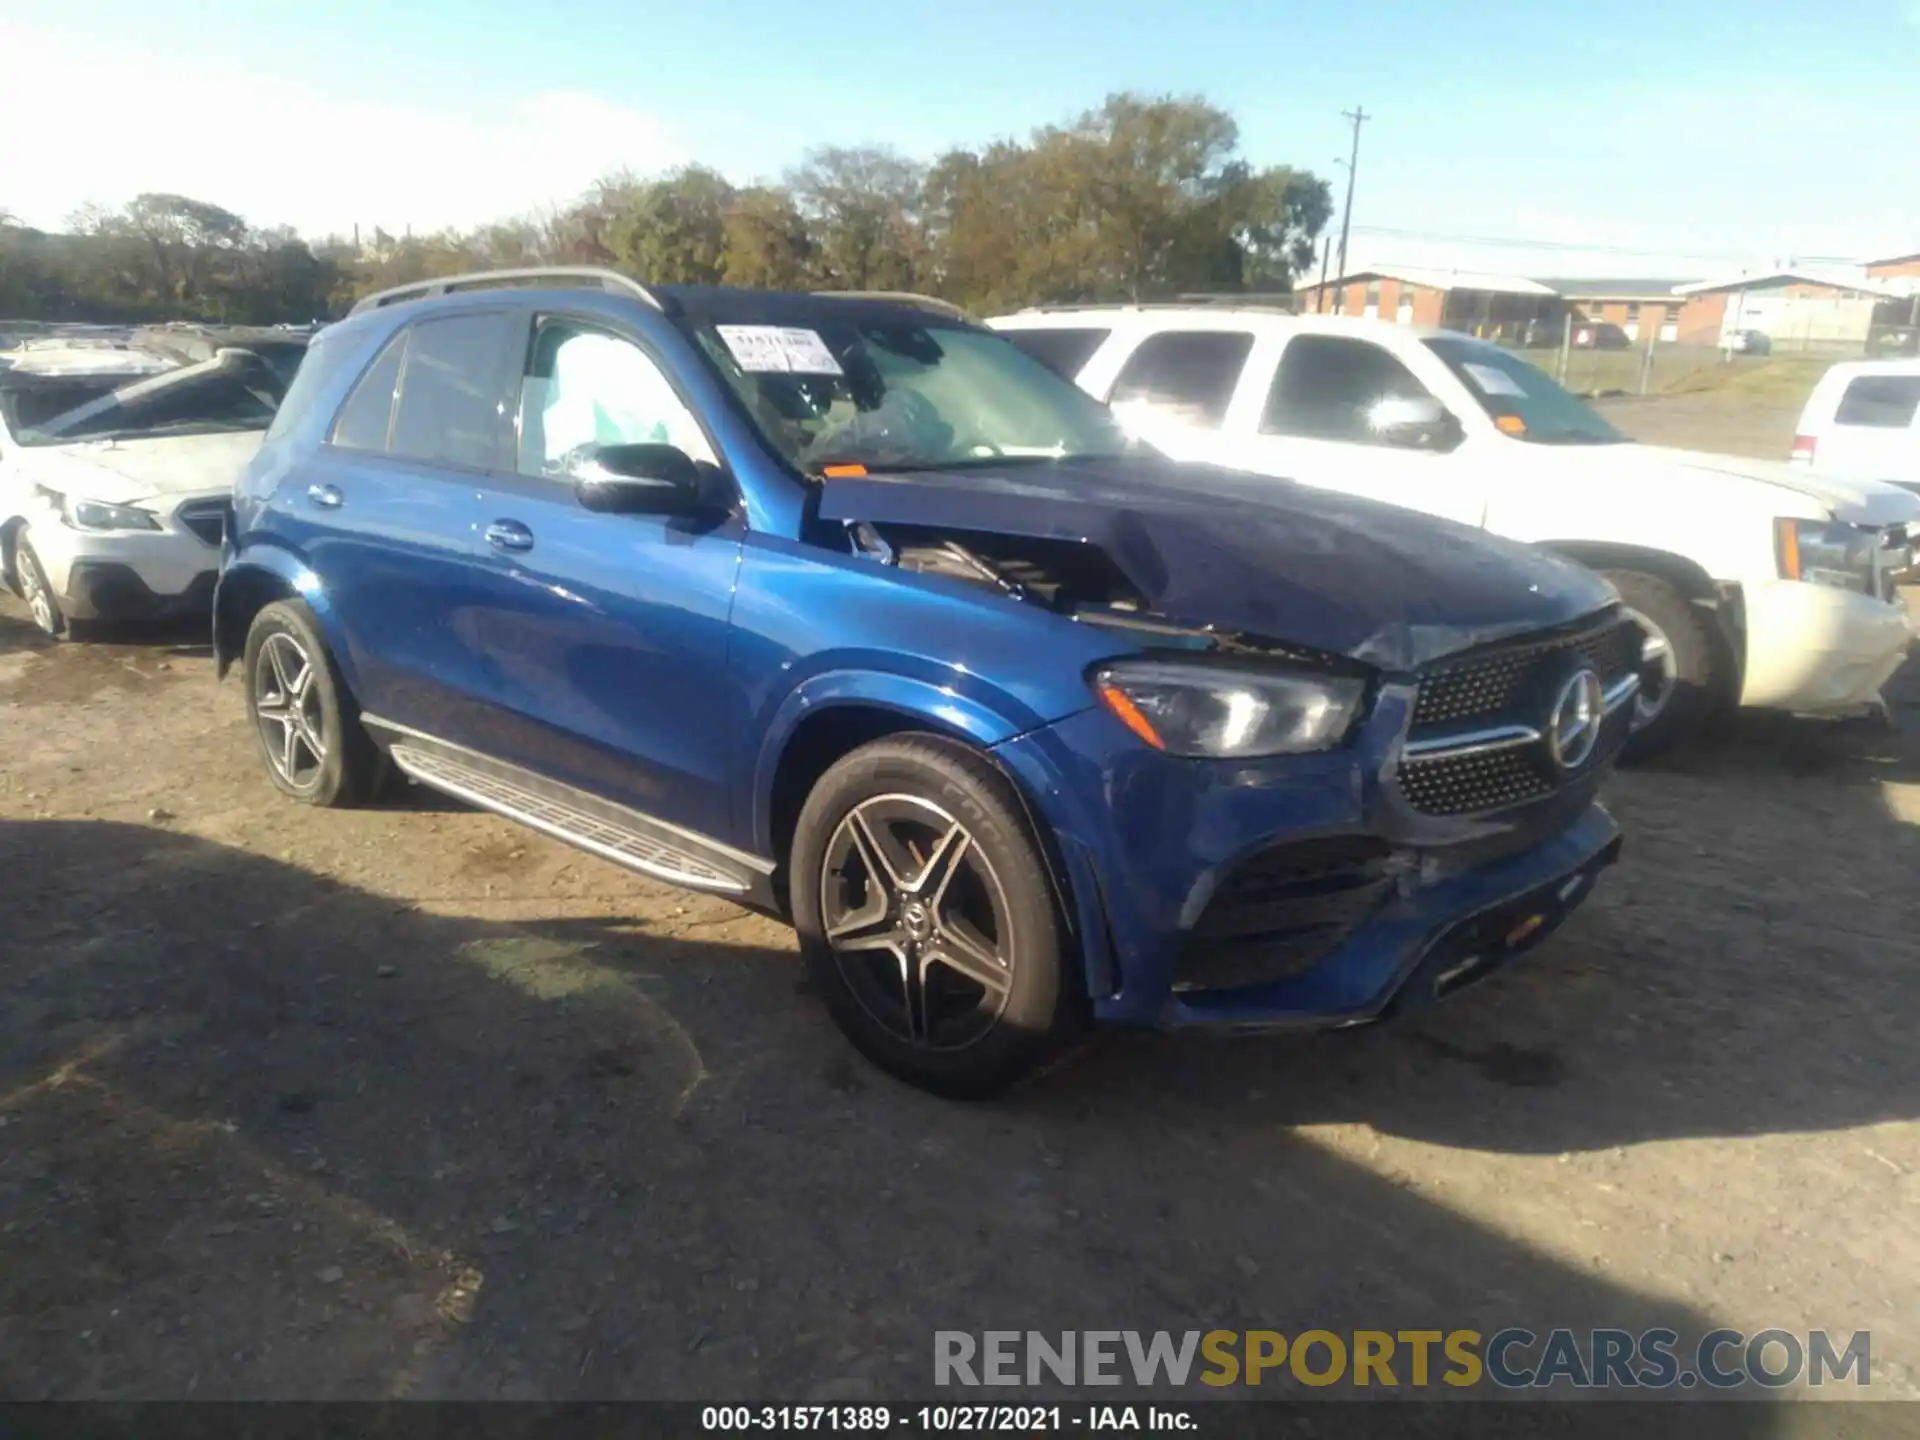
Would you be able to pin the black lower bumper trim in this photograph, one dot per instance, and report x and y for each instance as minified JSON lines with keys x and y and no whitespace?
{"x":101,"y":590}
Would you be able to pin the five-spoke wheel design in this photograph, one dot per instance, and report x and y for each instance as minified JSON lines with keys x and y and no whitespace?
{"x":286,"y":706}
{"x":918,"y":922}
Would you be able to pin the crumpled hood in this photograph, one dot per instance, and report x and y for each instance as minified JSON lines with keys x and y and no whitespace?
{"x":124,"y":472}
{"x":1858,"y":502}
{"x":1206,"y":546}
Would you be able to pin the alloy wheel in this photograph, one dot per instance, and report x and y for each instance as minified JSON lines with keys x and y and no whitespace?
{"x":34,"y":590}
{"x":917,"y":921}
{"x":1659,"y":672}
{"x":286,"y":705}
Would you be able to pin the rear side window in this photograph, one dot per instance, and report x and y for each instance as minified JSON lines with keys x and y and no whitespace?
{"x":452,"y":405}
{"x":1189,"y":375}
{"x":367,"y":416}
{"x":1882,"y":402}
{"x":1327,"y":385}
{"x":1065,"y":352}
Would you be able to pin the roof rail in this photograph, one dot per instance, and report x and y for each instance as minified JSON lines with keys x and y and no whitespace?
{"x":901,"y":297}
{"x":610,"y":280}
{"x":1281,"y":303}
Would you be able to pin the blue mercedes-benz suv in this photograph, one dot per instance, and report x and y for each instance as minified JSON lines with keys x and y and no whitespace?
{"x":847,"y":608}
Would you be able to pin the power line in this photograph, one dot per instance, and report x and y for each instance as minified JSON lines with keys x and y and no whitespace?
{"x":1515,"y":243}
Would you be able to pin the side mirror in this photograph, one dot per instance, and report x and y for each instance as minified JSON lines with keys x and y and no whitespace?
{"x":638,"y":480}
{"x":1414,"y":423}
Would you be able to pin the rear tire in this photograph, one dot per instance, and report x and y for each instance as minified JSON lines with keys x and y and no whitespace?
{"x":305,"y":721}
{"x":926,"y":914}
{"x":1684,"y":682}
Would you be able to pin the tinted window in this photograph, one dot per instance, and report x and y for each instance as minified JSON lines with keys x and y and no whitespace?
{"x":451,"y":408}
{"x":1189,"y":373}
{"x":1886,"y":402}
{"x":365,"y":418}
{"x":1522,"y":400}
{"x":585,"y":387}
{"x":1065,"y":352}
{"x":1327,"y":385}
{"x":307,"y":383}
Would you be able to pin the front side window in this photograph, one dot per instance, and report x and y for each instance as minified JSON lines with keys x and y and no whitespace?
{"x":1880,"y":402}
{"x":901,"y":394}
{"x":1327,"y":387}
{"x":1522,"y":400}
{"x":585,"y":387}
{"x":1184,"y":375}
{"x":451,"y":406}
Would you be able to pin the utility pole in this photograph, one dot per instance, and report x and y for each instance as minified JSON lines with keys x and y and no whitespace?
{"x":1358,"y":115}
{"x":1326,"y":254}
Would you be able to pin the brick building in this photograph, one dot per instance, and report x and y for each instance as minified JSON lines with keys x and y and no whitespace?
{"x":1643,"y":309}
{"x":1800,"y":307}
{"x":1456,"y":299}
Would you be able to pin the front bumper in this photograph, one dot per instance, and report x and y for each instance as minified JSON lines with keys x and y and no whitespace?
{"x":129,"y":574}
{"x":1152,"y":848}
{"x":1816,"y":650}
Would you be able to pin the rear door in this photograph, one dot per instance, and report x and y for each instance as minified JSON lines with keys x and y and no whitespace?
{"x":604,"y":636}
{"x":1875,"y":432}
{"x":1174,"y":389}
{"x":1314,"y":424}
{"x":386,"y":513}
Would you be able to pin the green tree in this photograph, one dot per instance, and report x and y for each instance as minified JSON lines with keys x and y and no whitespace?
{"x":767,"y":245}
{"x":862,"y":206}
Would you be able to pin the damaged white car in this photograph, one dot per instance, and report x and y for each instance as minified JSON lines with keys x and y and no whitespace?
{"x":116,"y":477}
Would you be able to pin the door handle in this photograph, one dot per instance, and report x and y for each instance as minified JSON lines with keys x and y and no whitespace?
{"x":509,"y":535}
{"x":327,"y":497}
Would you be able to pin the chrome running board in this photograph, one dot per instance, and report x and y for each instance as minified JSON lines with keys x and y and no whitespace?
{"x":611,"y":831}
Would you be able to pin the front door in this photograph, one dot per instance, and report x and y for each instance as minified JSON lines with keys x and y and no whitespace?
{"x":605,"y":636}
{"x":1318,"y":425}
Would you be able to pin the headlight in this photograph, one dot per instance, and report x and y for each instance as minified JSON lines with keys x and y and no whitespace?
{"x":98,"y":515}
{"x":1824,"y":552}
{"x":1221,"y":713}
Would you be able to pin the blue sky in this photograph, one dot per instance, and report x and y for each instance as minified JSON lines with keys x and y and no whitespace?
{"x":1703,"y":135}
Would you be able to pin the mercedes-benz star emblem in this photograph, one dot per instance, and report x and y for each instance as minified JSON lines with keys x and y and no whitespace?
{"x":1574,"y":728}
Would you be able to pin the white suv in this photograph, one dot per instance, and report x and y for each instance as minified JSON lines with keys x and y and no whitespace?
{"x":1863,"y":421}
{"x":116,"y":475}
{"x":1759,"y":583}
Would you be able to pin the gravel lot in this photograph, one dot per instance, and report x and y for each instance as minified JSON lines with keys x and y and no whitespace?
{"x":413,"y":1102}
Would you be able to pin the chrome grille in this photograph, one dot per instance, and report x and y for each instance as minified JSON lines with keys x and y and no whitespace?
{"x":206,"y":519}
{"x":1476,"y":740}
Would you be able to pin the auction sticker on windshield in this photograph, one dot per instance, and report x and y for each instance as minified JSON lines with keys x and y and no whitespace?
{"x":1492,"y":381}
{"x":779,"y":348}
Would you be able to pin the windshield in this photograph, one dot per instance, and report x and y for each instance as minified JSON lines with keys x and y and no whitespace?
{"x":65,"y":409}
{"x":904,"y":395}
{"x":1523,"y":401}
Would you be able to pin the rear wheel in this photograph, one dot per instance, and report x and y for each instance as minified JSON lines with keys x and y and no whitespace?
{"x":927,"y":917}
{"x":307,"y":725}
{"x":1682,"y":674}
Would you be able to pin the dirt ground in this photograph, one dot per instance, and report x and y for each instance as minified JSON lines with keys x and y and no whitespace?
{"x":412,"y":1102}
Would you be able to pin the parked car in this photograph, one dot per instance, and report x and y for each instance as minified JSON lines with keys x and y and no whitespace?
{"x":117,"y":467}
{"x":1756,"y":582}
{"x":848,"y":609}
{"x":1863,"y":422}
{"x":1747,"y":342}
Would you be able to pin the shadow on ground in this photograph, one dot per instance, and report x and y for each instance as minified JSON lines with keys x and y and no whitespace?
{"x":266,"y":1135}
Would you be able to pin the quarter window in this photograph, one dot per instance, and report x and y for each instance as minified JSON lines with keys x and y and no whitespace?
{"x":1327,"y":385}
{"x":586,"y":387}
{"x":1185,"y":375}
{"x":366,"y":418}
{"x":1882,"y":402}
{"x":1065,"y":352}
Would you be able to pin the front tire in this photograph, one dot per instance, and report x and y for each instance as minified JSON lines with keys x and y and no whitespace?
{"x":1683,"y":679}
{"x":31,"y":577}
{"x":927,"y":917}
{"x":307,"y":725}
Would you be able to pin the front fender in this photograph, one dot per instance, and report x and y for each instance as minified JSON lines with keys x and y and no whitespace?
{"x":257,"y":574}
{"x":941,"y":707}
